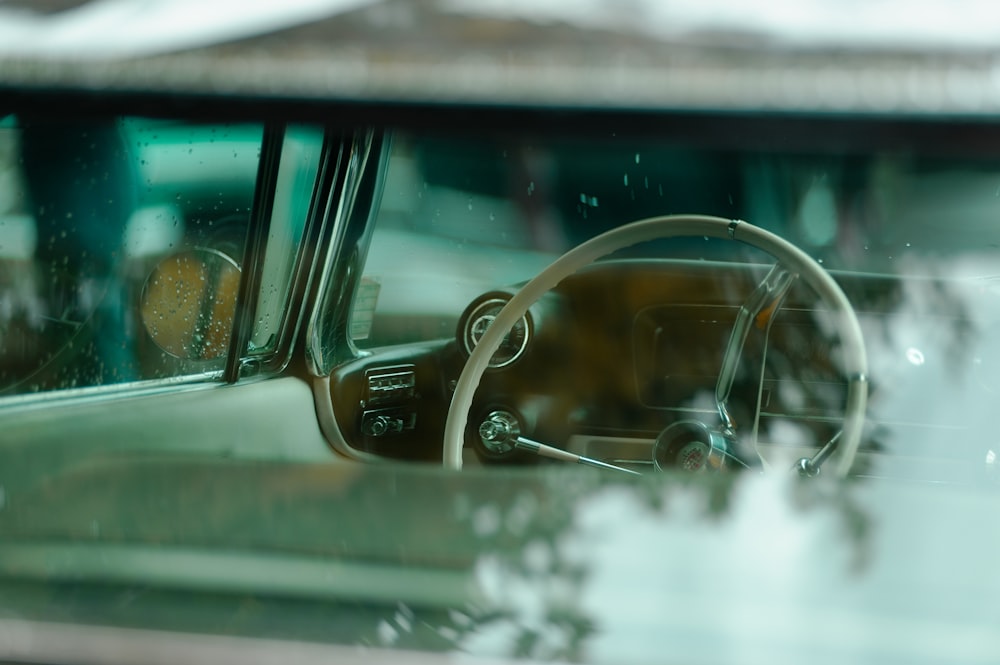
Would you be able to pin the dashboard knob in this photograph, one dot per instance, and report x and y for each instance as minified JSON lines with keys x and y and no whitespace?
{"x":379,"y":426}
{"x":499,"y":431}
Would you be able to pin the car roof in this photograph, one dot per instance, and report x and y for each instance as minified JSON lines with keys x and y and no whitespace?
{"x":882,"y":57}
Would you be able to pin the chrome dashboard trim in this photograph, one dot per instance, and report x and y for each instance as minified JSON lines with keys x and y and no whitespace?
{"x":329,"y":427}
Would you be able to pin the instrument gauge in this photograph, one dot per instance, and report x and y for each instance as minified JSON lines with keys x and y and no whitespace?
{"x":478,"y":322}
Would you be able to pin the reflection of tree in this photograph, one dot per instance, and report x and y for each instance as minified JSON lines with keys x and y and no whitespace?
{"x":545,"y":559}
{"x":537,"y":547}
{"x":927,"y":337}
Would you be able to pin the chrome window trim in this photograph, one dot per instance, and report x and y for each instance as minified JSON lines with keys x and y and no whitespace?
{"x":327,"y":333}
{"x":327,"y":340}
{"x":253,"y":250}
{"x":306,"y":262}
{"x":118,"y":391}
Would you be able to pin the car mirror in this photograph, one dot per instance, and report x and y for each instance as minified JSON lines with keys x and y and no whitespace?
{"x":189,"y":302}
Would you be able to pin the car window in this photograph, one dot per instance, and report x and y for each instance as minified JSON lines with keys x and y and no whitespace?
{"x":121,"y":243}
{"x":459,"y":216}
{"x":909,"y":236}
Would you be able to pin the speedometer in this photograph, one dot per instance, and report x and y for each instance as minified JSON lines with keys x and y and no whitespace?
{"x":478,"y":321}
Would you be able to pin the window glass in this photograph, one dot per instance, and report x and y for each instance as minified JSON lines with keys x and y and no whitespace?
{"x":461,"y":216}
{"x":300,"y":157}
{"x":911,"y":237}
{"x":97,"y":218}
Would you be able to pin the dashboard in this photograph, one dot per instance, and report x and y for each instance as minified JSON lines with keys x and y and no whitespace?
{"x":620,"y":351}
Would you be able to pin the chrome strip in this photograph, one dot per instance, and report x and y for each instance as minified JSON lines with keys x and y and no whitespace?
{"x":23,"y":640}
{"x":128,"y":390}
{"x":360,"y":151}
{"x":224,"y":570}
{"x":328,"y":423}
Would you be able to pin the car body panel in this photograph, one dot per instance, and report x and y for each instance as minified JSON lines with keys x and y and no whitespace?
{"x":599,"y":569}
{"x":199,"y":420}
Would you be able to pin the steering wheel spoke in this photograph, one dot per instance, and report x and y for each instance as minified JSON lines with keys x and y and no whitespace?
{"x":758,"y":311}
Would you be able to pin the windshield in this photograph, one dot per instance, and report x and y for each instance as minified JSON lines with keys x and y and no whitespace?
{"x":472,"y":213}
{"x":911,"y":238}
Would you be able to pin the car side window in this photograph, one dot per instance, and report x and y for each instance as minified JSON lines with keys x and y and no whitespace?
{"x":120,"y":244}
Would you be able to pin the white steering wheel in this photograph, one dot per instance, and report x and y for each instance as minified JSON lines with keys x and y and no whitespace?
{"x":793,"y":259}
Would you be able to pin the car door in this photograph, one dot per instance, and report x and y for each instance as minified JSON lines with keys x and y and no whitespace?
{"x":155,"y":276}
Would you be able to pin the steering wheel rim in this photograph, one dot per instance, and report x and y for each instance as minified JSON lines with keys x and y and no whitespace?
{"x":671,"y":226}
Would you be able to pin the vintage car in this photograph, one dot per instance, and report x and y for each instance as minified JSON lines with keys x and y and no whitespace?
{"x":455,"y":331}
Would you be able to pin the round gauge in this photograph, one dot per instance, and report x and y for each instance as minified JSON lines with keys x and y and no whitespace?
{"x":479,"y":321}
